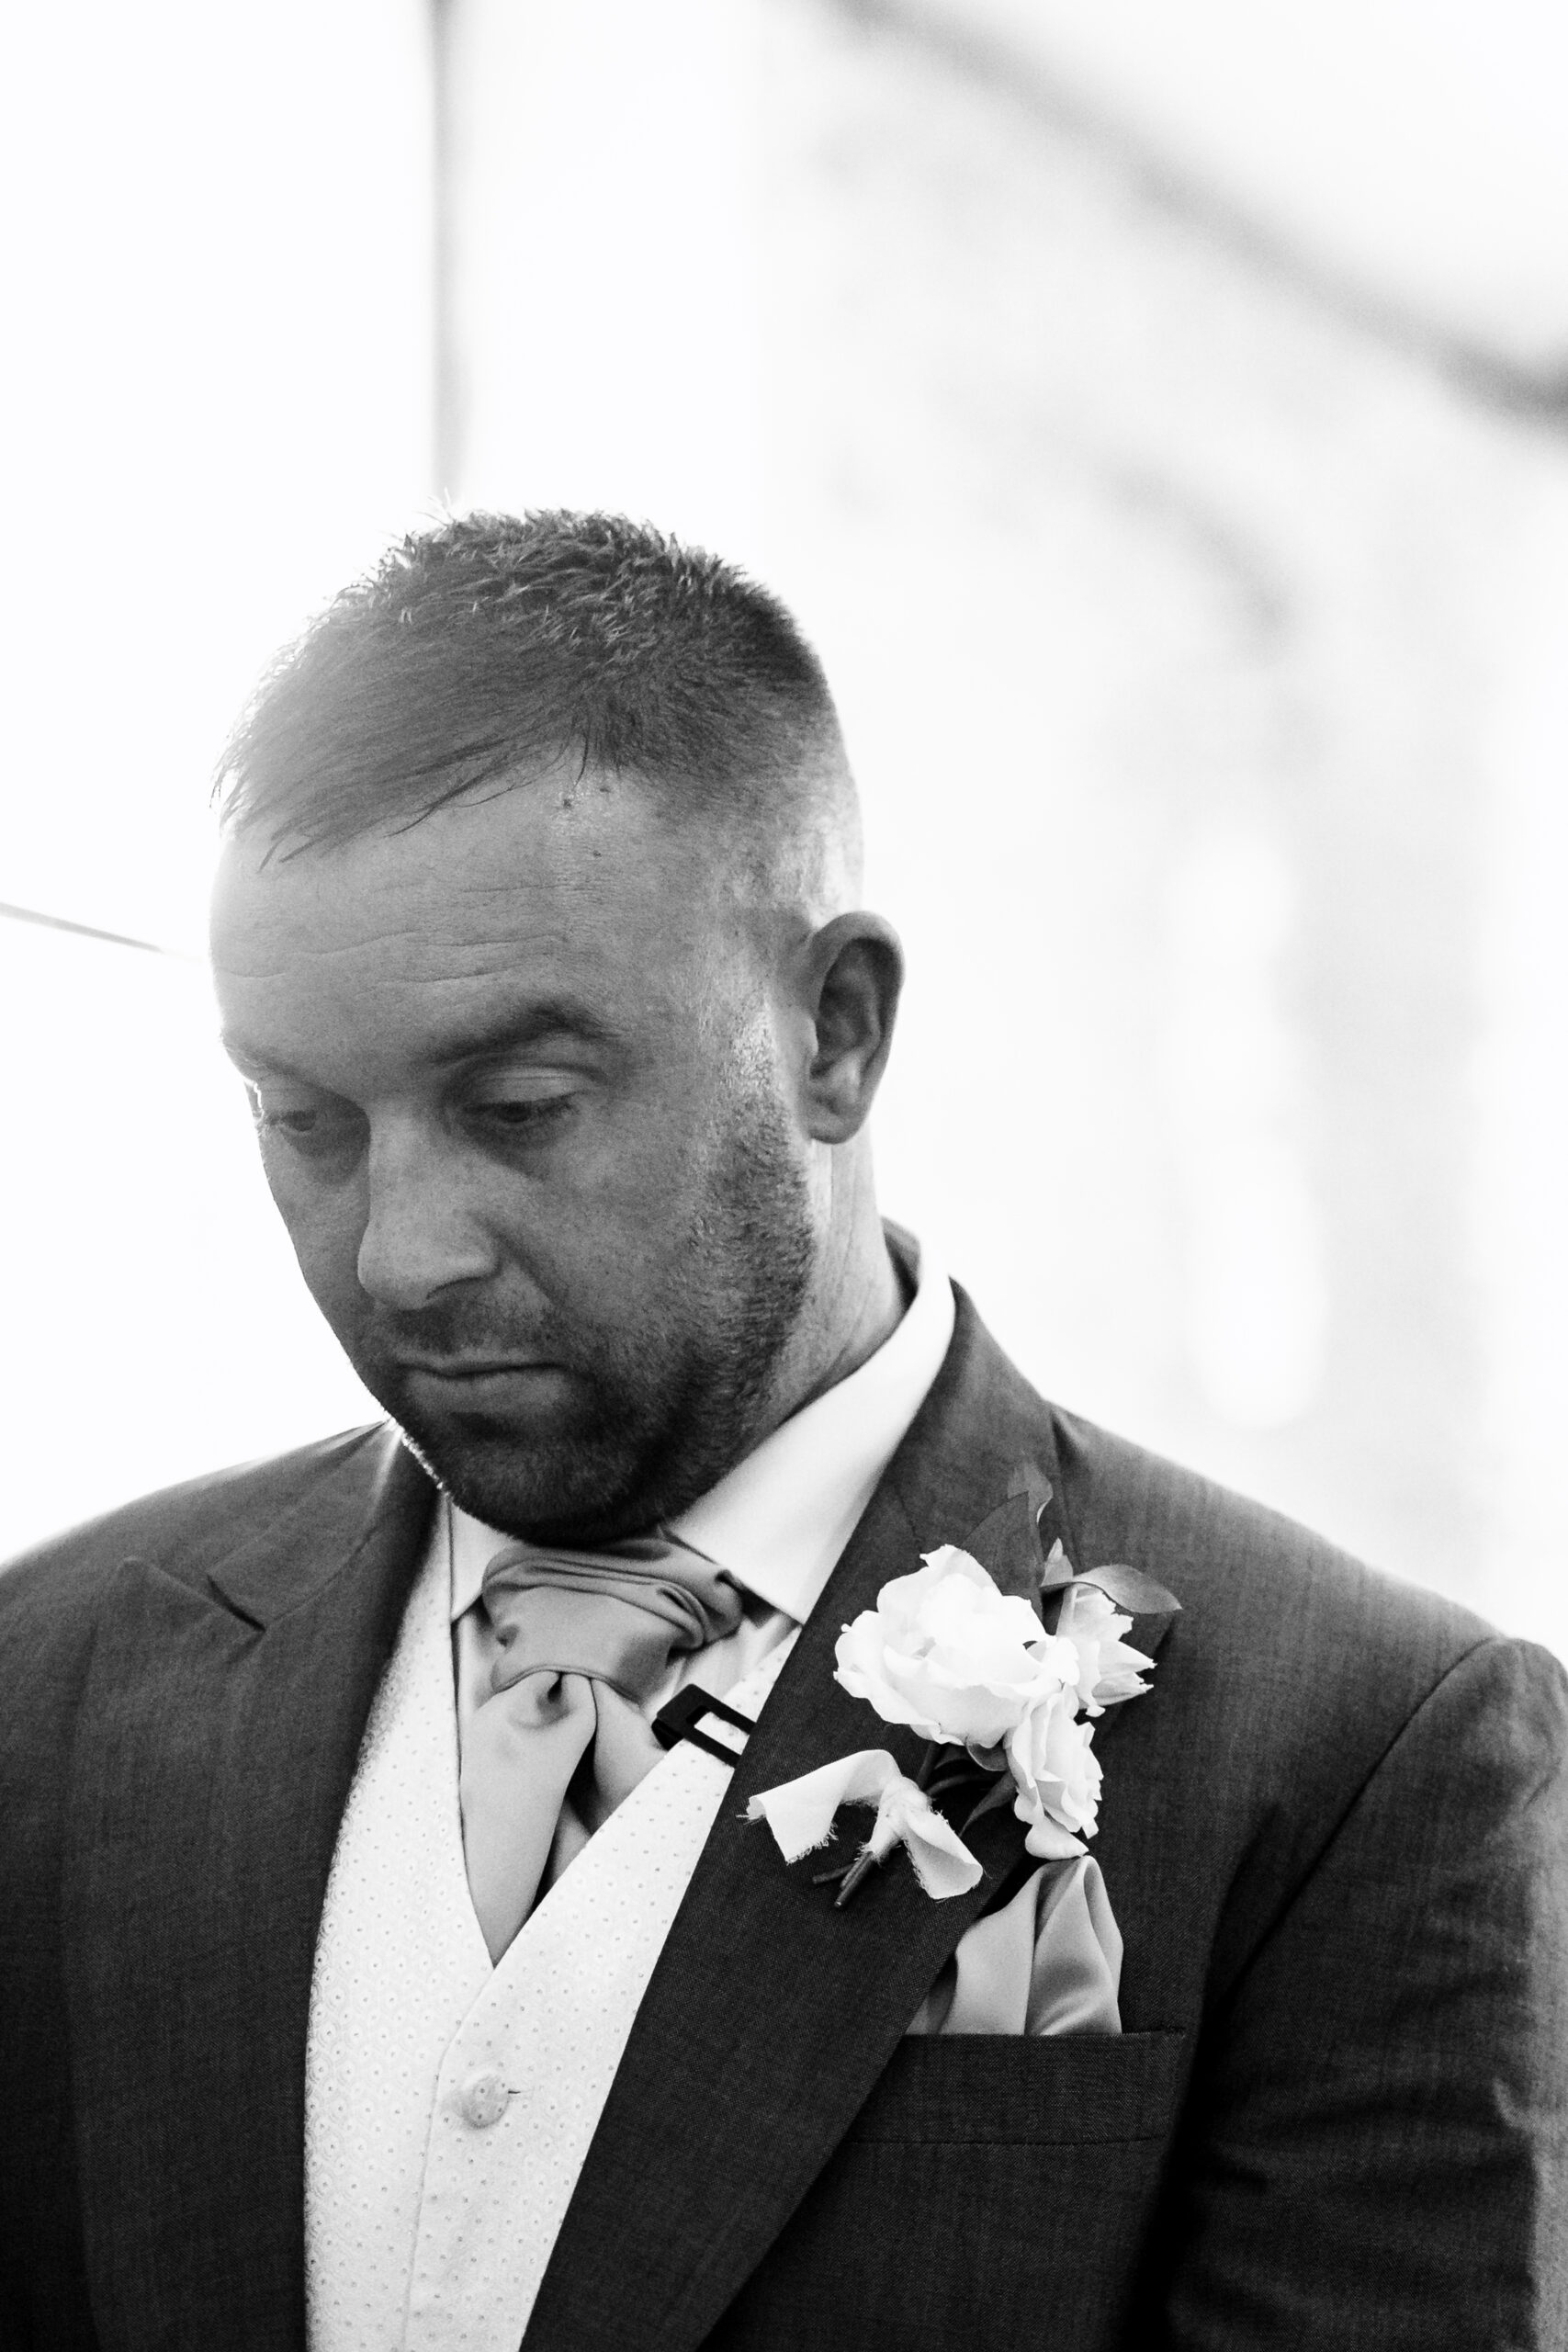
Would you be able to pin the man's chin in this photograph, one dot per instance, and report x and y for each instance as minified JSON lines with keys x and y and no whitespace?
{"x":543,"y":1475}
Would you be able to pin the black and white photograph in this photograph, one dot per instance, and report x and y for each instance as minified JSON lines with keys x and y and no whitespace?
{"x":783,"y":924}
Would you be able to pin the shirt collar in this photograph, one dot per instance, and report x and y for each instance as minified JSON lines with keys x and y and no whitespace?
{"x":779,"y":1520}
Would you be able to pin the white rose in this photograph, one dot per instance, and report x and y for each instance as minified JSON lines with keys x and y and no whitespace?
{"x":1057,"y":1775}
{"x":1108,"y":1666}
{"x":948,"y":1654}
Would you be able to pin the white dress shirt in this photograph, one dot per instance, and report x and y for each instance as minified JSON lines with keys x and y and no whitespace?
{"x":449,"y":2105}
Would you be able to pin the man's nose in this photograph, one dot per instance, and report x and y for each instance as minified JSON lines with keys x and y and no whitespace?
{"x":422,"y":1231}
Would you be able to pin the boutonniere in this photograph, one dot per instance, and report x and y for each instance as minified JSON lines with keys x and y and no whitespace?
{"x":1002,"y":1658}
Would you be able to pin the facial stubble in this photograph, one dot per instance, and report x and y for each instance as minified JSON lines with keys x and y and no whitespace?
{"x":663,"y":1405}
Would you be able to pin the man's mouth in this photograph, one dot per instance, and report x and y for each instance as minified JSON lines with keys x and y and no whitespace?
{"x":502,"y":1384}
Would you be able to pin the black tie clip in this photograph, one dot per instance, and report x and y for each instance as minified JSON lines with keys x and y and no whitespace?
{"x":679,"y":1717}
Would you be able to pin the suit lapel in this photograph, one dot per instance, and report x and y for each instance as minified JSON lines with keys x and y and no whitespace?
{"x":219,"y":1731}
{"x":771,"y":2014}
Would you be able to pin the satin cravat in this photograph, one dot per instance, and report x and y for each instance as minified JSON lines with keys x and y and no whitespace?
{"x":579,"y":1641}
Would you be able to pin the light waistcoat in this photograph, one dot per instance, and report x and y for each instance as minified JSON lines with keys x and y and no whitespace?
{"x":450,"y":2105}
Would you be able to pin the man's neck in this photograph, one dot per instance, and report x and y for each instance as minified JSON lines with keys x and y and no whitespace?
{"x":857,"y":1301}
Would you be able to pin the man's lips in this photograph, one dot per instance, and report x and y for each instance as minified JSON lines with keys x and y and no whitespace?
{"x":483,"y":1384}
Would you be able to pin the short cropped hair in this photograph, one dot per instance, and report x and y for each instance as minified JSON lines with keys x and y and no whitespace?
{"x":495,"y":642}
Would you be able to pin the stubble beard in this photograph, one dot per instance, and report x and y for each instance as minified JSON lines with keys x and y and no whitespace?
{"x":662,"y":1410}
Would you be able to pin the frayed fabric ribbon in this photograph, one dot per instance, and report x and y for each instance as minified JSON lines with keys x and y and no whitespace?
{"x":800,"y":1815}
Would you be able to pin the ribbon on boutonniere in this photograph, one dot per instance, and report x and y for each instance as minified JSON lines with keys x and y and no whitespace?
{"x":1001,"y":1656}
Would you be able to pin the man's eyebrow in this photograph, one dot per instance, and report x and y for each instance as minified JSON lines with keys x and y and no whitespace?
{"x":250,"y":1061}
{"x":560,"y":1016}
{"x":556,"y":1017}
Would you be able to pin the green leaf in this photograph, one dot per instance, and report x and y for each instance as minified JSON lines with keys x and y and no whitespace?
{"x":1031,"y":1480}
{"x":1130,"y":1589}
{"x":1007,"y":1546}
{"x":1001,"y":1793}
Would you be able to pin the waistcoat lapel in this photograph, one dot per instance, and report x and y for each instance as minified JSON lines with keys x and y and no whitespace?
{"x":217,"y":1740}
{"x":771,"y":2014}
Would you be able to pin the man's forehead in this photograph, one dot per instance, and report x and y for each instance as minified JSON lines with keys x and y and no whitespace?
{"x":538,"y":868}
{"x":454,"y":1030}
{"x":485,"y":929}
{"x":347,"y":997}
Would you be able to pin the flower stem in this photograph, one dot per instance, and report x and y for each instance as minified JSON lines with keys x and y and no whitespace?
{"x":860,"y":1868}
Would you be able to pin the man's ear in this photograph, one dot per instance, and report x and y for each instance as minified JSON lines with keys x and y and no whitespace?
{"x":852,"y":972}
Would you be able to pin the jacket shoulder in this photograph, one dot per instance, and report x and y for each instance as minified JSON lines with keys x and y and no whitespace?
{"x":1235,"y":1564}
{"x":1293,"y":1656}
{"x":180,"y":1527}
{"x":1253,"y":1583}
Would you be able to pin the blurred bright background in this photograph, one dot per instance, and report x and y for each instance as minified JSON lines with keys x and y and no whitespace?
{"x":1159,"y":419}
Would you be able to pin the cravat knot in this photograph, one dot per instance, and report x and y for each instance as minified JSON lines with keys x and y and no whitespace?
{"x":619,"y":1615}
{"x":579,"y":1641}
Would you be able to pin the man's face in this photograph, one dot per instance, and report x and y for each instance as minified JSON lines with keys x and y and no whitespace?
{"x":521,"y":1107}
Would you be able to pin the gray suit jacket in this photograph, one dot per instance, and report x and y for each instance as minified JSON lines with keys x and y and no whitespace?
{"x":1335,"y":1834}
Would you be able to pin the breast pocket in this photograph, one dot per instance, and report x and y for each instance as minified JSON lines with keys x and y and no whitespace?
{"x":975,"y":2090}
{"x":991,"y":2191}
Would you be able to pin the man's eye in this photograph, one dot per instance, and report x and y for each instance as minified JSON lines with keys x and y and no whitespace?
{"x":310,"y":1128}
{"x":523,"y":1113}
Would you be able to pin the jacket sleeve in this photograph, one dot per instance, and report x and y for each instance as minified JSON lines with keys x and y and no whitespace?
{"x":1377,"y":2151}
{"x":43,"y":1651}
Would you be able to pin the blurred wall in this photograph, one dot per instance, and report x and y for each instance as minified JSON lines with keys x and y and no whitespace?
{"x":218,"y":231}
{"x":1197,"y":633}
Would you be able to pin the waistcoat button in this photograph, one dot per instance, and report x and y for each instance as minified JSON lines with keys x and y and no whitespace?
{"x":484,"y":2099}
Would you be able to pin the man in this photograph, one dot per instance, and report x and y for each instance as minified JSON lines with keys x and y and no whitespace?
{"x":372,"y":1976}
